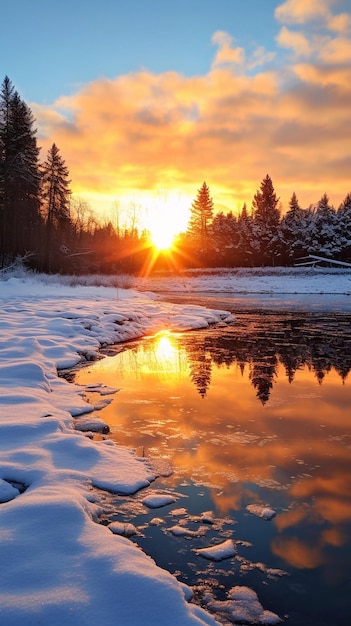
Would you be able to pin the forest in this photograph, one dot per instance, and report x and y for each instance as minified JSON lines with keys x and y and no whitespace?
{"x":42,"y":223}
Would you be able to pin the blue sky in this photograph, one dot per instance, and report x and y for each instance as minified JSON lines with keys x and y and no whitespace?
{"x":146,"y":99}
{"x":48,"y":49}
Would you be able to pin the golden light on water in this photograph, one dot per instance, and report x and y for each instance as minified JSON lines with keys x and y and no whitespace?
{"x":175,"y":403}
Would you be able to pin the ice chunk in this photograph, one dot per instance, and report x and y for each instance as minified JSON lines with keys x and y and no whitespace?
{"x":156,"y":499}
{"x":127,"y":530}
{"x":92,"y":424}
{"x":261,"y":511}
{"x":222,"y":551}
{"x":182,"y":531}
{"x":243,"y":607}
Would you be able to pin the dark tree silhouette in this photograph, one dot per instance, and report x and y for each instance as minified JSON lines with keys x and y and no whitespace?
{"x":19,"y":176}
{"x":55,"y":195}
{"x":201,"y":217}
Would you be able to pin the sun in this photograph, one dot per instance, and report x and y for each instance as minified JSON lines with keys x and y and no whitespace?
{"x":166,"y":216}
{"x":162,"y":239}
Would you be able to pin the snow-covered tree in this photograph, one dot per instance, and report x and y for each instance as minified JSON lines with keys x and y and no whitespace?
{"x":325,"y":242}
{"x":245,"y":235}
{"x":343,"y":228}
{"x":266,"y":216}
{"x":293,"y":231}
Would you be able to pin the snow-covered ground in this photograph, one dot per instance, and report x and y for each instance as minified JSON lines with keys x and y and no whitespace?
{"x":58,"y":565}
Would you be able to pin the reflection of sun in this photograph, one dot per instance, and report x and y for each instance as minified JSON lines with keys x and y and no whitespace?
{"x":166,"y":350}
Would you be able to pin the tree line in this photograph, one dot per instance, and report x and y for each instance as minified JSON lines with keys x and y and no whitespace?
{"x":263,"y":236}
{"x":42,"y":223}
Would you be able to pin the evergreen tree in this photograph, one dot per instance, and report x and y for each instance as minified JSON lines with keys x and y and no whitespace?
{"x":19,"y":175}
{"x":245,"y":233}
{"x":293,"y":231}
{"x":343,"y":228}
{"x":55,"y":203}
{"x":225,"y":238}
{"x":326,"y":242}
{"x":201,"y":217}
{"x":266,"y":222}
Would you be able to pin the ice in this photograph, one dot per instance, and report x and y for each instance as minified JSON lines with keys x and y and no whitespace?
{"x":156,"y":499}
{"x":92,"y":424}
{"x":261,"y":511}
{"x":182,"y":531}
{"x":219,"y":552}
{"x":242,"y":607}
{"x":119,"y":528}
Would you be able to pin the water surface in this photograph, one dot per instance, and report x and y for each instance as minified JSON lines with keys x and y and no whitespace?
{"x":254,"y":413}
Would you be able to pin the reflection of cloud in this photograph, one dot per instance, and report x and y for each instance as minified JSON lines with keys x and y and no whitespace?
{"x":142,"y":132}
{"x":298,"y":553}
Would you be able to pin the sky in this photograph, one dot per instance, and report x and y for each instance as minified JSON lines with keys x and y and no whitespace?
{"x":147,"y":100}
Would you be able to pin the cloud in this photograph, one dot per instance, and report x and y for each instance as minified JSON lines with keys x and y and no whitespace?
{"x":302,"y":11}
{"x":143,"y":132}
{"x":295,"y":41}
{"x":226,"y":54}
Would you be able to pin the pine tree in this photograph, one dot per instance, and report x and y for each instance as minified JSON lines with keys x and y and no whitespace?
{"x":55,"y":203}
{"x":225,"y":238}
{"x":343,"y":228}
{"x":19,"y":175}
{"x":245,"y":232}
{"x":266,"y":222}
{"x":293,"y":231}
{"x":201,"y":217}
{"x":325,"y":224}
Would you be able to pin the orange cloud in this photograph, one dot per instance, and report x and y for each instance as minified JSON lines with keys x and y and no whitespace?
{"x":295,"y":41}
{"x":301,"y":11}
{"x":149,"y":133}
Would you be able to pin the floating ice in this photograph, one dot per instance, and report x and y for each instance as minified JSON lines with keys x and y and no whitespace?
{"x":182,"y":531}
{"x":242,"y":607}
{"x":222,"y":551}
{"x":156,"y":499}
{"x":261,"y":511}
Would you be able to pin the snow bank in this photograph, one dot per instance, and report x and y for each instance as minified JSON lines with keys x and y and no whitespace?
{"x":252,"y":281}
{"x":58,"y":565}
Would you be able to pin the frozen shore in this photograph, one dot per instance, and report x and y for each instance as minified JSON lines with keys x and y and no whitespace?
{"x":59,"y":566}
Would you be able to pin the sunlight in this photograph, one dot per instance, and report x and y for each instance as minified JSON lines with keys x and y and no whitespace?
{"x":161,"y":238}
{"x":166,"y":215}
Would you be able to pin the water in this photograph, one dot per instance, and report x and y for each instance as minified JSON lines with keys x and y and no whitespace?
{"x":254,"y":413}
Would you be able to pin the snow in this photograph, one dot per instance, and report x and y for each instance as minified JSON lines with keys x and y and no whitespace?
{"x":156,"y":499}
{"x":58,"y":564}
{"x":243,"y":607}
{"x":253,"y":281}
{"x":219,"y":552}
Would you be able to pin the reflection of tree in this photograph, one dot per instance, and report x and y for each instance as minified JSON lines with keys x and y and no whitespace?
{"x":262,"y":341}
{"x":200,"y":372}
{"x":262,"y":374}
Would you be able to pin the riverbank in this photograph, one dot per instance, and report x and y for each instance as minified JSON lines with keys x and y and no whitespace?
{"x":59,"y":566}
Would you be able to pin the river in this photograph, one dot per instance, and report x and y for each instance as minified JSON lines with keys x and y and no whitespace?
{"x":242,"y":423}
